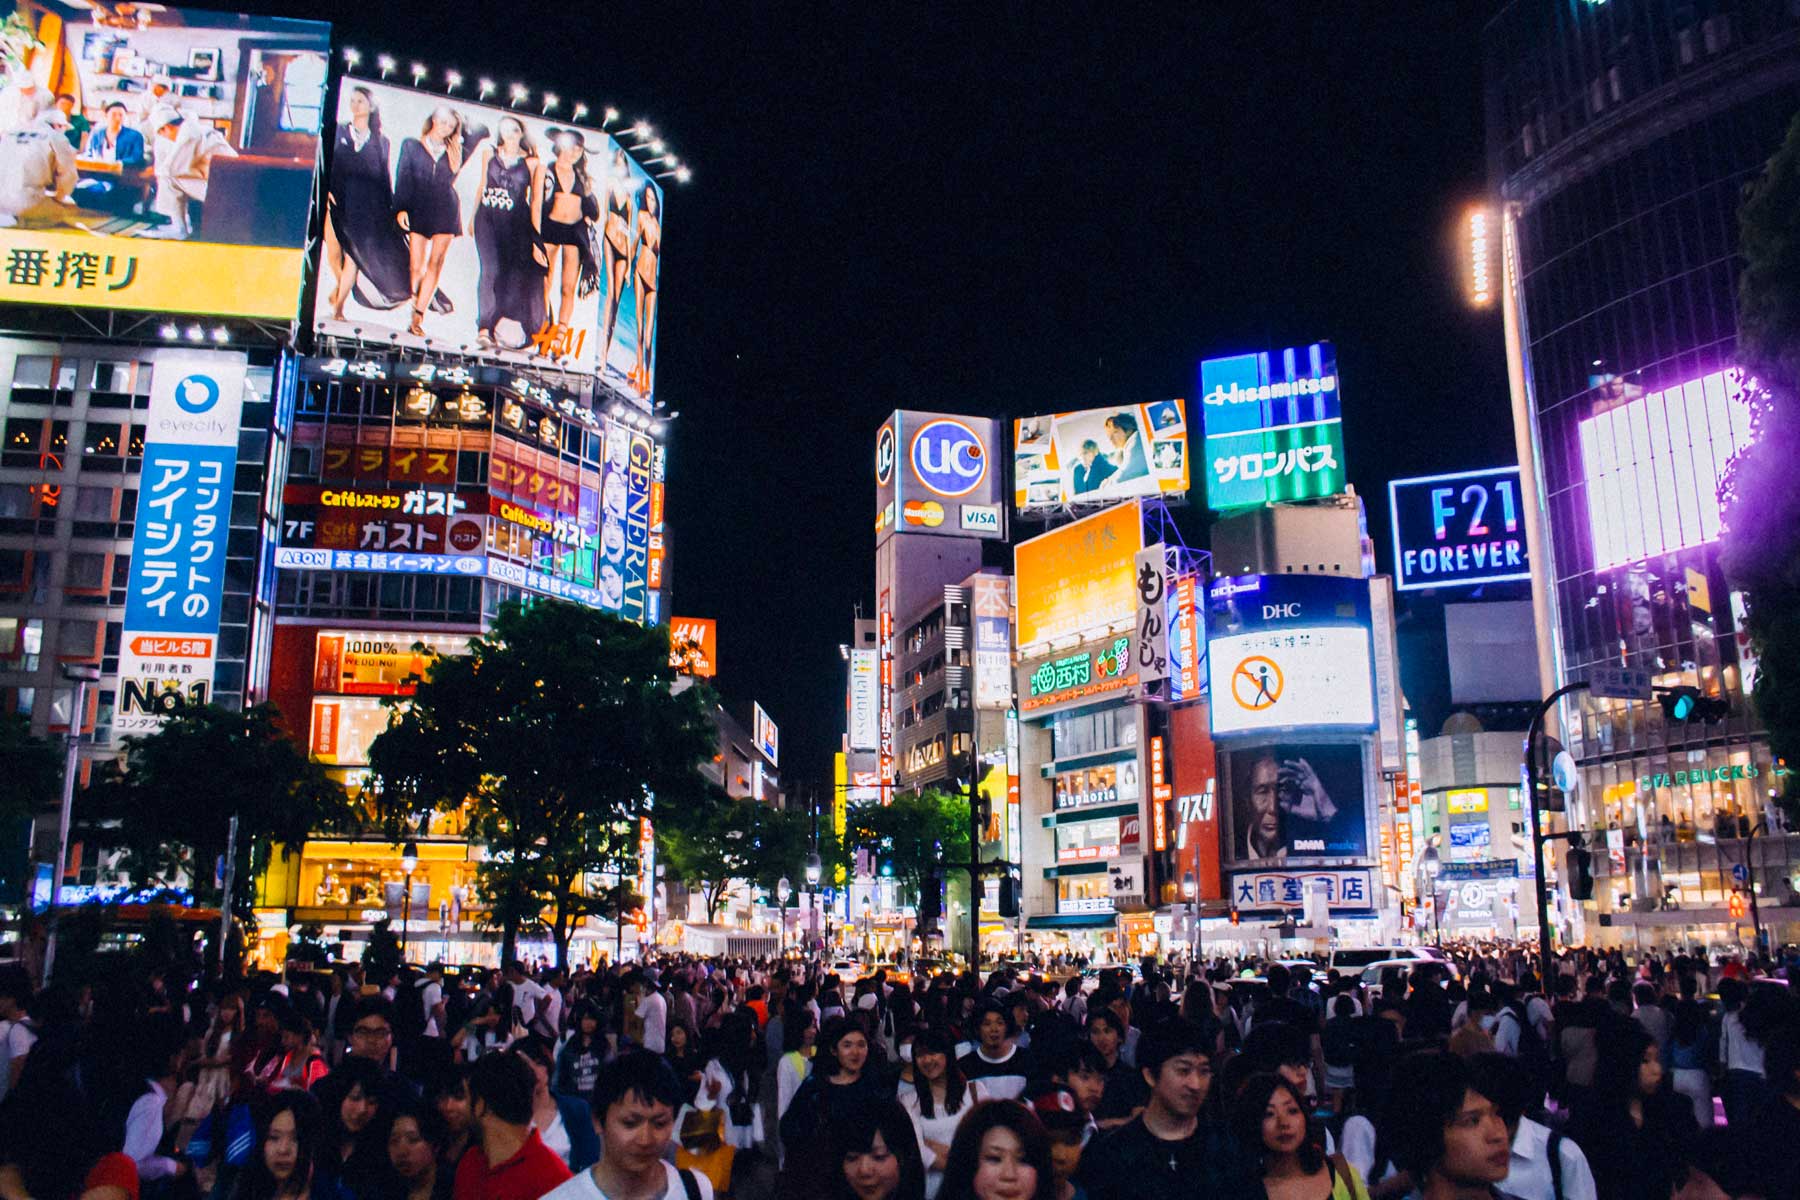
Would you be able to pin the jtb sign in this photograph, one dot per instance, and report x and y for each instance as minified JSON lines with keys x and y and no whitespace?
{"x":1458,"y":530}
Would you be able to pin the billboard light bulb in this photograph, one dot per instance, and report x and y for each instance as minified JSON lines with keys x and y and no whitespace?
{"x":485,"y":87}
{"x":581,"y":111}
{"x":196,"y":334}
{"x":550,"y":101}
{"x":170,"y":332}
{"x":221,"y":334}
{"x":682,"y":174}
{"x":453,"y":80}
{"x":611,"y":115}
{"x":352,"y":56}
{"x":386,"y":63}
{"x":418,"y":71}
{"x":520,"y":93}
{"x":656,"y":146}
{"x":642,"y":130}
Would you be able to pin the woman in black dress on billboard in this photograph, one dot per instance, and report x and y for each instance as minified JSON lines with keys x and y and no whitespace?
{"x":425,"y":203}
{"x":507,"y":240}
{"x":648,"y":258}
{"x":362,"y":244}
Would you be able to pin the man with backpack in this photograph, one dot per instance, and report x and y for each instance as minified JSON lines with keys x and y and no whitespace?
{"x":635,"y":1103}
{"x":1545,"y":1165}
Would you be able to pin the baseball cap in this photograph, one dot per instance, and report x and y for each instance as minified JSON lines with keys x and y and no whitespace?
{"x":1057,"y":1108}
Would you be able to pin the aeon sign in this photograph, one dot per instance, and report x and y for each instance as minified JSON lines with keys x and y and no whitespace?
{"x":948,"y":458}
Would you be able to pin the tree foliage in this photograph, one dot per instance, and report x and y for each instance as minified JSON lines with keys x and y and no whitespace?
{"x":31,"y":766}
{"x":1762,"y":505}
{"x":168,"y":802}
{"x":719,"y":841}
{"x":555,"y":730}
{"x":918,"y":834}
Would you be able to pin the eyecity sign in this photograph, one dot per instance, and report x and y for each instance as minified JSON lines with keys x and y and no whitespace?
{"x":1458,"y":530}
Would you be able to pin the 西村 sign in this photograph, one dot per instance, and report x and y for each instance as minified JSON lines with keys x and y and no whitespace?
{"x":1458,"y":530}
{"x":170,"y":638}
{"x":1082,"y":674}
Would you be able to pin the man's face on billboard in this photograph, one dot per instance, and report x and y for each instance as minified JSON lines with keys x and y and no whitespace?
{"x":1265,"y":811}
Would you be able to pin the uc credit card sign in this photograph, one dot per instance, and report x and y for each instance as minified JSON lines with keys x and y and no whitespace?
{"x":938,"y":474}
{"x":170,"y":640}
{"x":1458,"y":530}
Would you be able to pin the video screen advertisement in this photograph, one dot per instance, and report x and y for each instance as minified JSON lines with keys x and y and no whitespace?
{"x":540,"y":241}
{"x":938,"y":474}
{"x":1294,"y":800}
{"x":1289,"y":652}
{"x":1078,"y":578}
{"x":1100,"y":455}
{"x":158,"y":159}
{"x":1458,"y":530}
{"x":1274,"y":428}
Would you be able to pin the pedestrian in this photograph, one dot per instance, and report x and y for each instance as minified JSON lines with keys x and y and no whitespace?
{"x":415,"y":1143}
{"x":1170,"y":1151}
{"x":1639,"y":1136}
{"x":871,"y":1153}
{"x":355,"y":1125}
{"x":1445,"y":1133}
{"x":1068,"y":1127}
{"x":997,"y":1061}
{"x":635,"y":1101}
{"x":288,"y":1162}
{"x":937,"y":1100}
{"x":1001,"y":1152}
{"x":565,"y":1123}
{"x":508,"y":1161}
{"x":1269,"y":1123}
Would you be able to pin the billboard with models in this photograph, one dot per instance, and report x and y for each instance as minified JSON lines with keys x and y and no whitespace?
{"x":451,"y":224}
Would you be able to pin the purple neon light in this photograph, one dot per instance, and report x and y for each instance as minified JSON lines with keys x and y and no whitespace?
{"x":1653,"y":467}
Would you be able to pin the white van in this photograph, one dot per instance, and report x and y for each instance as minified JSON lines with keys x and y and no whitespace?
{"x":1352,"y":962}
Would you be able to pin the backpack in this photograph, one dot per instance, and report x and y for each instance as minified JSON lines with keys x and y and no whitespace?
{"x":1534,"y":1052}
{"x":409,"y":1011}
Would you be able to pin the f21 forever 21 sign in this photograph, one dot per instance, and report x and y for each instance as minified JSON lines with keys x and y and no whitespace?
{"x":1458,"y":530}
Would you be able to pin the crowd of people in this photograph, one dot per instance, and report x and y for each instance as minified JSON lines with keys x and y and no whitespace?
{"x":1669,"y":1077}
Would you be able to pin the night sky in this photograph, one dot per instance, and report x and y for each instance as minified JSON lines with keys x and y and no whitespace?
{"x":1022,"y":209}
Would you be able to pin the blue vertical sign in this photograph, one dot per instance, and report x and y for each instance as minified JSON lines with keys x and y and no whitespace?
{"x":170,"y":638}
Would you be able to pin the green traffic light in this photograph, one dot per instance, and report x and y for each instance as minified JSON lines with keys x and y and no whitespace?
{"x":1684,"y":707}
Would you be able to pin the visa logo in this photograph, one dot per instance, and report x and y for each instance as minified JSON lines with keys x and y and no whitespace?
{"x":981,"y":518}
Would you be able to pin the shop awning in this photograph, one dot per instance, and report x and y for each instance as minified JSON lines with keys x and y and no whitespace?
{"x":1097,"y":867}
{"x":1064,"y":816}
{"x":1100,"y":920}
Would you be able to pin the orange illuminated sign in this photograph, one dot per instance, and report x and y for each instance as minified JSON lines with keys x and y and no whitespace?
{"x":1078,"y":578}
{"x":694,"y":645}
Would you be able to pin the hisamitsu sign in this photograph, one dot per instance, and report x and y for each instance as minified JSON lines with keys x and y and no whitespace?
{"x":1458,"y":530}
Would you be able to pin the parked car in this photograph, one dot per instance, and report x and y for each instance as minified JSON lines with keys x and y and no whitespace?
{"x":1352,"y":961}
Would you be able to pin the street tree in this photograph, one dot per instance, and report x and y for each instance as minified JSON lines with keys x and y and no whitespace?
{"x":1762,"y":505}
{"x":919,"y":835}
{"x":721,"y":841}
{"x":167,"y":803}
{"x":558,"y":732}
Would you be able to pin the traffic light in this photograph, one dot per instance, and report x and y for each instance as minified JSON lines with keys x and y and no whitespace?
{"x":1235,"y":919}
{"x":931,"y":905}
{"x":1738,"y":904}
{"x":1686,"y":703}
{"x":1009,"y":896}
{"x":1579,"y":873}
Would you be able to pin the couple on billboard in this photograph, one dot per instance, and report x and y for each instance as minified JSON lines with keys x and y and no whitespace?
{"x":546,"y":230}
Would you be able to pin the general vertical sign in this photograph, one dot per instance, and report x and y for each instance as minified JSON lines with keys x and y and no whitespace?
{"x":171,"y":633}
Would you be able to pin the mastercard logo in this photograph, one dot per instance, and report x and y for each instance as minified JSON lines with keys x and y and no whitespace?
{"x":928,"y":513}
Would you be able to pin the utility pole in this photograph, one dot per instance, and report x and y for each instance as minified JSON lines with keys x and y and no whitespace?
{"x":82,"y":676}
{"x":1546,"y":959}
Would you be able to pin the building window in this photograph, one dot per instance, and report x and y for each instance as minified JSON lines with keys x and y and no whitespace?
{"x":21,"y":642}
{"x":15,"y":569}
{"x":87,"y":572}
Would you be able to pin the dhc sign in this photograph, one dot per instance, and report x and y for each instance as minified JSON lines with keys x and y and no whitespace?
{"x":948,"y":458}
{"x":1458,"y":530}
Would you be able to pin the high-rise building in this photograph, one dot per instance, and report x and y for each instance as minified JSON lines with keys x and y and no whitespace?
{"x":1620,"y":136}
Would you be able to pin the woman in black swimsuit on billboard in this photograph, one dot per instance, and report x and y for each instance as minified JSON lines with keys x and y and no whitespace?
{"x":615,"y":246}
{"x":569,"y":208}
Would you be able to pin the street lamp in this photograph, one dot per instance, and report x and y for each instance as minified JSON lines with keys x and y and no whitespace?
{"x":1431,"y":864}
{"x":1190,"y":891}
{"x":782,"y":891}
{"x":815,"y":870}
{"x":83,"y":676}
{"x":409,"y":862}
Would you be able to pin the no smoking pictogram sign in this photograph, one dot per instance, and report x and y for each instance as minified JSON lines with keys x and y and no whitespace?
{"x":1256,"y":683}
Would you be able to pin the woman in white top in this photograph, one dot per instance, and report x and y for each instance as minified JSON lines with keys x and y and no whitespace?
{"x":730,"y":1082}
{"x":799,"y":1031}
{"x":937,"y":1101}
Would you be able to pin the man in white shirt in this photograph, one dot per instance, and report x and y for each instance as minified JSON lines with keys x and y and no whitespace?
{"x":431,"y":999}
{"x":652,"y":1013}
{"x":144,"y":1123}
{"x":635,"y":1101}
{"x":183,"y":149}
{"x":527,"y":993}
{"x":1530,"y":1175}
{"x":16,"y":1035}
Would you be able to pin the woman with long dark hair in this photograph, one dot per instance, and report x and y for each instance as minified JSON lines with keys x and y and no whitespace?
{"x":425,"y":203}
{"x":507,"y":241}
{"x":1639,"y":1136}
{"x":938,"y":1100}
{"x":354,"y":1151}
{"x":615,"y":244}
{"x":450,"y":1099}
{"x":872,"y":1153}
{"x":1001,"y":1152}
{"x":288,"y":1161}
{"x":362,"y":243}
{"x":1268,"y":1119}
{"x":569,"y":208}
{"x":1691,"y":1052}
{"x":415,"y":1142}
{"x":648,"y":256}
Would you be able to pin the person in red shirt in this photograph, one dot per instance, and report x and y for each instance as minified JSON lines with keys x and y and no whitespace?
{"x":508,"y":1161}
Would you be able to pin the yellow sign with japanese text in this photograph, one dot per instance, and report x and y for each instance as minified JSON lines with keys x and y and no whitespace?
{"x":147,"y":274}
